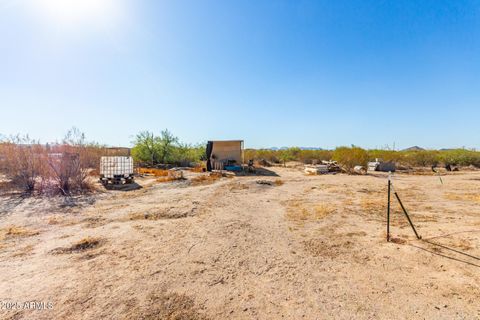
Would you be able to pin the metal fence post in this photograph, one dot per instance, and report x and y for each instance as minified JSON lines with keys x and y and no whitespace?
{"x":388,"y":209}
{"x":406,"y":214}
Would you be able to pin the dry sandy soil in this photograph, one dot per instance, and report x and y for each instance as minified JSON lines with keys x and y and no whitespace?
{"x":310,"y":247}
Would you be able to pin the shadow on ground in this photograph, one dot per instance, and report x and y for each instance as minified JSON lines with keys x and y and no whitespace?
{"x":10,"y":202}
{"x":124,"y":187}
{"x":261,"y":172}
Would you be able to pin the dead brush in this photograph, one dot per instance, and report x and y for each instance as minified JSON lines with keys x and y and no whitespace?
{"x":60,"y":168}
{"x":79,"y":246}
{"x":23,"y":162}
{"x":279,"y":182}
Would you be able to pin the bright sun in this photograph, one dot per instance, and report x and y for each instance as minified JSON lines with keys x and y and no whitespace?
{"x":74,"y":12}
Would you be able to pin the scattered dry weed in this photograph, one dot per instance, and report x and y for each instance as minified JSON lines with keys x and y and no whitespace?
{"x":473,"y":197}
{"x":372,"y":205}
{"x":153,"y":172}
{"x":206,"y":179}
{"x":23,"y":251}
{"x":18,"y":232}
{"x":79,"y":246}
{"x":171,"y":306}
{"x":300,"y":212}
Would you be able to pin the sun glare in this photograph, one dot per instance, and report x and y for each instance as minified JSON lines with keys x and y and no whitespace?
{"x":74,"y":12}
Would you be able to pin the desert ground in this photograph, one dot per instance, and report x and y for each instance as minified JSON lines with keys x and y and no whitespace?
{"x":279,"y":246}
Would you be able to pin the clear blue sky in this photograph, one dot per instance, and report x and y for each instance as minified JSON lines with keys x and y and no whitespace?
{"x":274,"y":73}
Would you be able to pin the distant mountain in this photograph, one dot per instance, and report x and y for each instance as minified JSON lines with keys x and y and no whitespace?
{"x":301,"y":148}
{"x":311,"y":148}
{"x":414,"y":148}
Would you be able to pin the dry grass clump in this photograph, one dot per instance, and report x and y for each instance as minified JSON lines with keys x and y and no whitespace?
{"x":79,"y":246}
{"x":167,"y":306}
{"x":23,"y":251}
{"x":172,"y":176}
{"x":327,"y":249}
{"x":154,"y":172}
{"x":239,"y":186}
{"x":277,"y":182}
{"x":54,"y":220}
{"x":206,"y":179}
{"x":373,"y":205}
{"x":398,"y":240}
{"x":18,"y":232}
{"x":147,"y":215}
{"x":167,"y":179}
{"x":163,"y":213}
{"x":300,"y":212}
{"x":473,"y":197}
{"x":198,"y":169}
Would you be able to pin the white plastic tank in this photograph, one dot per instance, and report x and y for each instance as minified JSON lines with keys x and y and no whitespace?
{"x":114,"y":167}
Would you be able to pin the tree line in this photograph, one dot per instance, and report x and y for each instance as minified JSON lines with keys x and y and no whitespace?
{"x":354,"y":155}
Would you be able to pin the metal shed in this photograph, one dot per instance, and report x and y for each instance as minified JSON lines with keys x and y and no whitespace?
{"x":224,"y":153}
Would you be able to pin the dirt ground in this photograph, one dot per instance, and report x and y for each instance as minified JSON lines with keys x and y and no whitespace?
{"x":257,"y":247}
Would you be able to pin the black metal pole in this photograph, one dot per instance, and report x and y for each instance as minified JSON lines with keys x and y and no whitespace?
{"x":388,"y":211}
{"x":406,"y":214}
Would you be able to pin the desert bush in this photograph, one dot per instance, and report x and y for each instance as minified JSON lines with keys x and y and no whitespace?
{"x":184,"y":154}
{"x":166,"y":145}
{"x":50,"y":169}
{"x":165,"y":149}
{"x":3,"y":164}
{"x":23,"y":162}
{"x":70,"y":162}
{"x":349,"y":157}
{"x":287,"y":155}
{"x":262,"y":154}
{"x":422,"y":158}
{"x":290,"y":154}
{"x":154,"y":149}
{"x":460,"y":157}
{"x":385,"y":155}
{"x":311,"y":156}
{"x":145,"y":147}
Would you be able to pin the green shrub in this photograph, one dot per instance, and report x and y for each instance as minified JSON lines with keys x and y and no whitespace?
{"x":349,"y":157}
{"x":165,"y":149}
